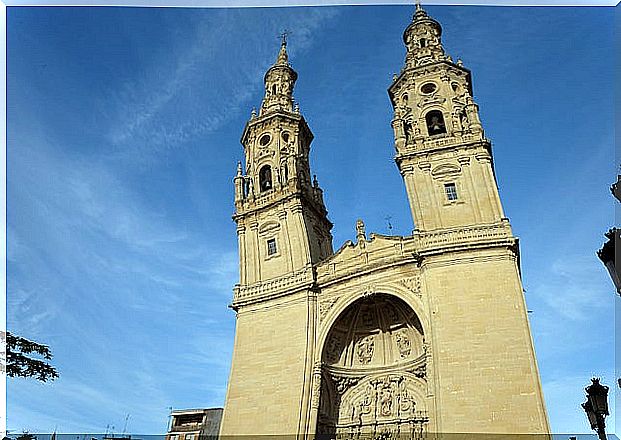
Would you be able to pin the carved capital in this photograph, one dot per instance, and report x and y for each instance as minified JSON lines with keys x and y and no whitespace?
{"x":424,"y":166}
{"x":483,"y":157}
{"x":464,"y":160}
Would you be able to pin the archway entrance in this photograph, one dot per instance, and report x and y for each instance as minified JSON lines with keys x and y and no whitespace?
{"x":374,"y":372}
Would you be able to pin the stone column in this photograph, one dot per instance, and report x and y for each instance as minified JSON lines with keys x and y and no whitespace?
{"x":314,"y":401}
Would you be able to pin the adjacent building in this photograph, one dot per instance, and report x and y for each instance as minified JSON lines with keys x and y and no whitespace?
{"x":194,"y":424}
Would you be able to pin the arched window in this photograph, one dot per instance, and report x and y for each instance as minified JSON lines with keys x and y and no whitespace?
{"x":407,"y":127}
{"x":274,"y":89}
{"x":435,"y":123}
{"x":423,"y":42}
{"x":285,"y":173}
{"x":265,"y":178}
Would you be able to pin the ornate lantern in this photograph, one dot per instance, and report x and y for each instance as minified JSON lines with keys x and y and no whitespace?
{"x":596,"y":407}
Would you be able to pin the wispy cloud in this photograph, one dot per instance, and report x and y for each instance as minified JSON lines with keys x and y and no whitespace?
{"x":90,"y":264}
{"x":121,"y":289}
{"x":572,"y":290}
{"x":148,"y":107}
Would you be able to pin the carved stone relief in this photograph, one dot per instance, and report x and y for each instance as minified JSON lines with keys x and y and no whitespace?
{"x":325,"y":306}
{"x":334,"y":347}
{"x":379,"y":330}
{"x":385,"y":404}
{"x":364,"y":349}
{"x":413,"y":284}
{"x":403,"y":343}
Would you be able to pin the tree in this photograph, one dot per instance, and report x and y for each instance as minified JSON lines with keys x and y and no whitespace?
{"x":20,"y":363}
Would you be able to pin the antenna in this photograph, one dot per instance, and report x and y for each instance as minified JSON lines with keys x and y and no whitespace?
{"x":169,"y":421}
{"x":125,"y":426}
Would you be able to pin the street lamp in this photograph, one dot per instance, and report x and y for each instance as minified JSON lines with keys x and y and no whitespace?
{"x":609,"y":256}
{"x":596,"y":407}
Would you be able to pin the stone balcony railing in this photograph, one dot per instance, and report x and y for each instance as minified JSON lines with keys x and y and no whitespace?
{"x":442,"y":141}
{"x":271,"y":288}
{"x":468,"y":235}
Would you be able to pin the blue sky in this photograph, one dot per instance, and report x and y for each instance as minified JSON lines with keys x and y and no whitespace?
{"x":123,"y":130}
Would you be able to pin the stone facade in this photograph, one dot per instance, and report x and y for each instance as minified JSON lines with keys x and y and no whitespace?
{"x":420,"y":334}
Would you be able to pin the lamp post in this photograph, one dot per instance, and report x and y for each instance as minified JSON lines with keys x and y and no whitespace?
{"x":596,"y":407}
{"x":608,"y":255}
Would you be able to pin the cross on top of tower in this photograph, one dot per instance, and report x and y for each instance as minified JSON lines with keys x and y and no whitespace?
{"x":283,"y":36}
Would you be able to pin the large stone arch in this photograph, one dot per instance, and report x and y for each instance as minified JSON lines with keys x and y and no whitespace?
{"x":373,"y":371}
{"x":344,"y":301}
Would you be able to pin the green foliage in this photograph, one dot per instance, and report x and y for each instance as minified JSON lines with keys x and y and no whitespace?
{"x":20,"y":363}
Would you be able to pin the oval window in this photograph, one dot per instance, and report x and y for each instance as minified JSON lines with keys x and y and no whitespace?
{"x":428,"y":88}
{"x":264,"y":140}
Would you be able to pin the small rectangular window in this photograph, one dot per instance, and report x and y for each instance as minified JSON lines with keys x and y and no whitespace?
{"x":189,"y":437}
{"x":271,"y":246}
{"x":451,"y":191}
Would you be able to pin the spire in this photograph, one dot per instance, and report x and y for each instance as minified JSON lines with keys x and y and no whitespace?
{"x":419,"y":12}
{"x":283,"y":57}
{"x":279,"y":81}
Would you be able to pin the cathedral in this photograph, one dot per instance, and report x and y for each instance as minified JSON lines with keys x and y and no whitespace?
{"x":389,"y":336}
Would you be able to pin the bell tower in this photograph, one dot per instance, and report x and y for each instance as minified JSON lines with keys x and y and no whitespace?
{"x":282,"y":222}
{"x":283,"y":233}
{"x":441,"y":149}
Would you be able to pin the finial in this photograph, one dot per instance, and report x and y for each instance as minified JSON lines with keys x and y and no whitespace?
{"x":361,"y":234}
{"x":315,"y":183}
{"x":253,"y":114}
{"x":296,"y":108}
{"x":419,"y":13}
{"x":283,"y":58}
{"x":239,"y":168}
{"x":283,"y":36}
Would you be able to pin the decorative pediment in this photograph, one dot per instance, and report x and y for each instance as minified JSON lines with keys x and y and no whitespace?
{"x":268,"y":227}
{"x":445,"y":170}
{"x":374,"y":252}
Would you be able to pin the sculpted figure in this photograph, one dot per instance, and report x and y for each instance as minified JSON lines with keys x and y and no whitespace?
{"x":385,"y":400}
{"x":365,"y":349}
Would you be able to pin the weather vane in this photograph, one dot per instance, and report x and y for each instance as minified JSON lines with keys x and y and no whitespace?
{"x":283,"y":36}
{"x":388,"y":218}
